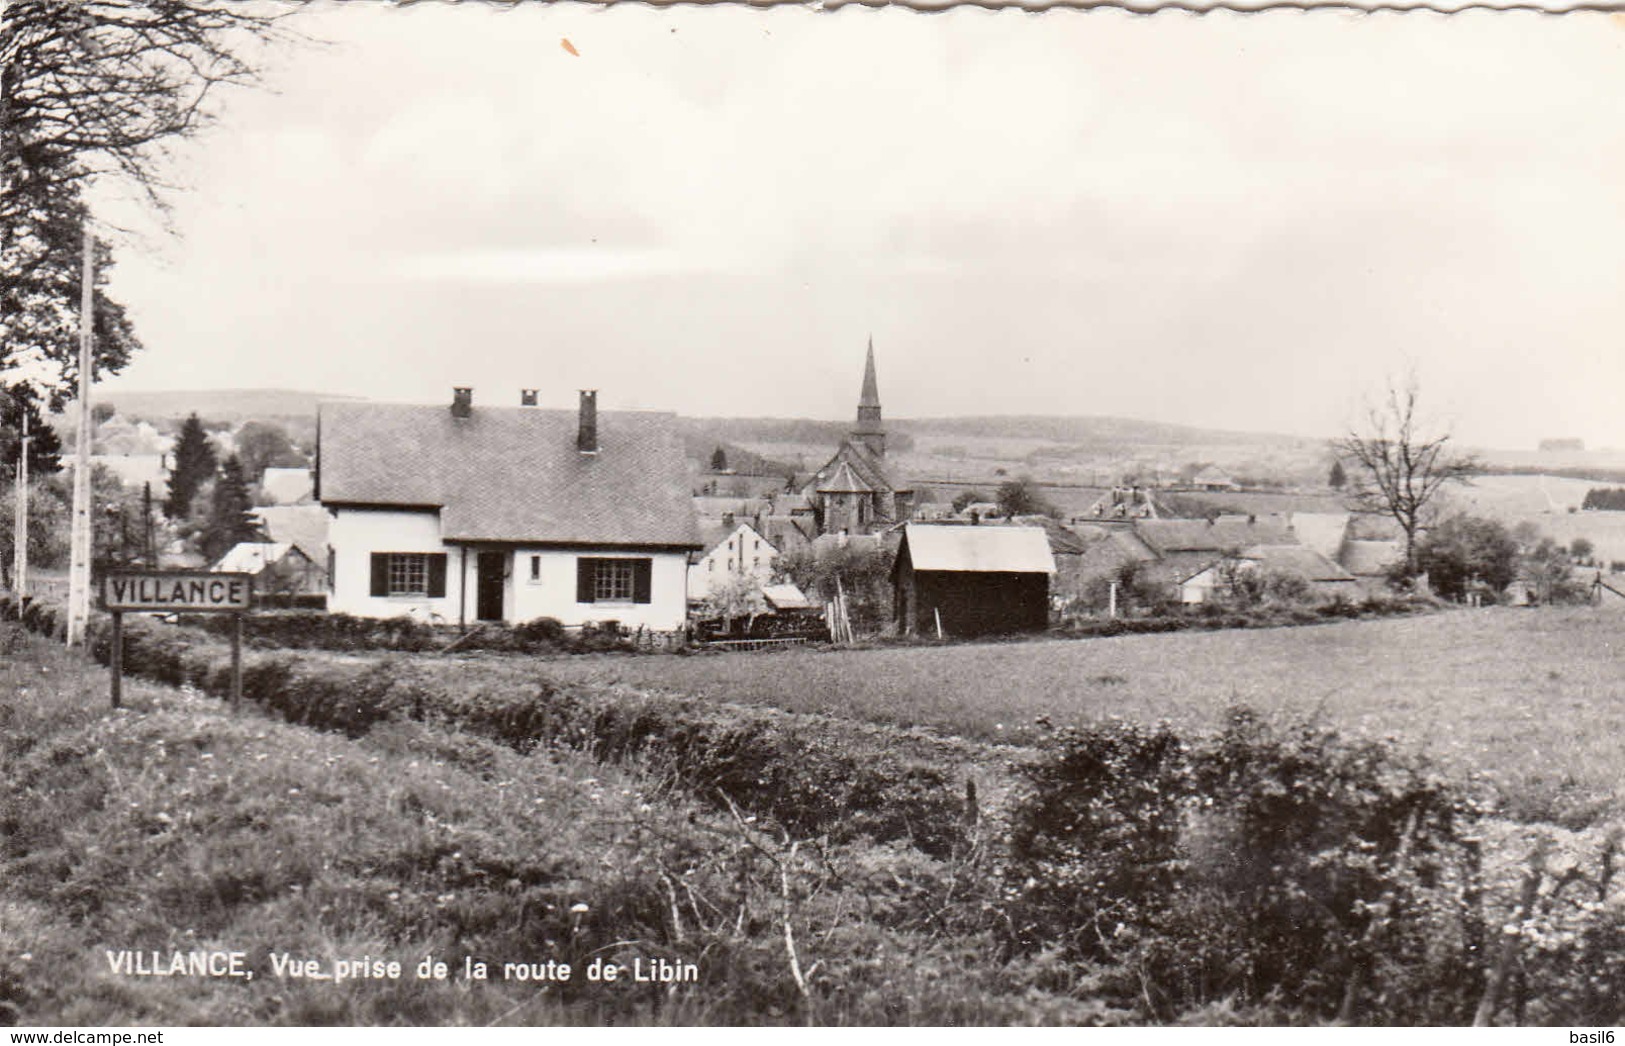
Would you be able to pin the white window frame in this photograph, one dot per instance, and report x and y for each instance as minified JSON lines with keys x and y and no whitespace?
{"x":613,"y":581}
{"x":405,"y":568}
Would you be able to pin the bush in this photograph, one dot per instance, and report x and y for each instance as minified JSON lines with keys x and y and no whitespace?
{"x":810,"y":778}
{"x":1249,"y":865}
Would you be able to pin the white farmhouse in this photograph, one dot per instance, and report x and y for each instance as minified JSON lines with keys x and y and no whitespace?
{"x":506,"y":513}
{"x":740,"y":552}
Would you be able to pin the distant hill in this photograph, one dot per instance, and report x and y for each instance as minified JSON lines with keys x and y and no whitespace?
{"x":1094,"y":430}
{"x":233,"y":405}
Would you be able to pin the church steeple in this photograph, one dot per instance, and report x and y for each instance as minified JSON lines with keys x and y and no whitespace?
{"x":870,"y":430}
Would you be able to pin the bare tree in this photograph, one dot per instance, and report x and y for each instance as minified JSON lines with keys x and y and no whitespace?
{"x":94,"y":88}
{"x":1400,"y":466}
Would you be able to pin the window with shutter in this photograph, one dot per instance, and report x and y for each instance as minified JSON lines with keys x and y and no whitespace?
{"x":613,"y":580}
{"x":410,"y":574}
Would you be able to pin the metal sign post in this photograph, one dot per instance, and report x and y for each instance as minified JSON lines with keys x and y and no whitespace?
{"x":177,"y":592}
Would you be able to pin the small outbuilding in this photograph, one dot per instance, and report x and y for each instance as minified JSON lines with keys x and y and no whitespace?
{"x":971,"y":580}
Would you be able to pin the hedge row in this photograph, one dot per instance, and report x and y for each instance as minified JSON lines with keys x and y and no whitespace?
{"x":1218,"y":615}
{"x":306,"y":630}
{"x":812,"y":778}
{"x":1337,"y":877}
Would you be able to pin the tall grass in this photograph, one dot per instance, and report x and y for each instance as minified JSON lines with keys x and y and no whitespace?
{"x":174,"y":824}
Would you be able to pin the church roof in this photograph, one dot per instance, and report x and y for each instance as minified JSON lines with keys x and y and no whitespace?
{"x":870,"y":396}
{"x":844,"y":481}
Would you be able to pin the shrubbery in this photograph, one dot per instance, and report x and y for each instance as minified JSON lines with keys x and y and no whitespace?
{"x":1225,"y":615}
{"x":811,"y":780}
{"x":1339,"y":877}
{"x":319,"y":630}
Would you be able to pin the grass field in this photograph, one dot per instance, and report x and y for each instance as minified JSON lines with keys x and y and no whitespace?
{"x":1532,"y":698}
{"x":174,"y":825}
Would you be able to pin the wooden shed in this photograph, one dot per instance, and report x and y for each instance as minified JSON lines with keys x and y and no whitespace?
{"x":972,"y":580}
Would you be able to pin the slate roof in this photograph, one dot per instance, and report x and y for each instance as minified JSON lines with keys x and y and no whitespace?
{"x":844,"y":481}
{"x":513,"y":474}
{"x":251,"y":557}
{"x":286,"y":486}
{"x":712,"y":534}
{"x":1166,"y":536}
{"x":301,"y":525}
{"x":1321,"y":531}
{"x":1178,"y":567}
{"x":785,"y":532}
{"x":135,"y":469}
{"x":1370,"y":558}
{"x":1011,"y":550}
{"x":1062,"y":540}
{"x":864,"y":465}
{"x":1297,"y":559}
{"x":743,"y":508}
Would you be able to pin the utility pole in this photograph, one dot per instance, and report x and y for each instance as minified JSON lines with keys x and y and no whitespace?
{"x":19,"y":530}
{"x":149,"y":552}
{"x":79,"y":555}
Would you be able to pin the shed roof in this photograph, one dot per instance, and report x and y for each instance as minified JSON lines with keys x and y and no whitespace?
{"x":513,"y":474}
{"x":785,"y":596}
{"x":1008,"y":550}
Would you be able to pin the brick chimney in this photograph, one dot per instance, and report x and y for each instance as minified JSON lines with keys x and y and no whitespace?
{"x":527,"y":397}
{"x":587,"y":432}
{"x":462,"y":401}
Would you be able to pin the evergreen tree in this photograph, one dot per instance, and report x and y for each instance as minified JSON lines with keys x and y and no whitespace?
{"x":1338,"y":478}
{"x":194,"y":463}
{"x":719,"y":460}
{"x":230,"y":520}
{"x":44,"y":447}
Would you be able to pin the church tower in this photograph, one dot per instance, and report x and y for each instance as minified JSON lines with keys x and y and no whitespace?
{"x":870,"y":432}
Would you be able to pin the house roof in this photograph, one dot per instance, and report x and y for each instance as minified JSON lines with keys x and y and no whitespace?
{"x":1370,"y":558}
{"x":1297,"y":559}
{"x":1321,"y":531}
{"x":1062,"y":540}
{"x":713,"y":534}
{"x":513,"y":474}
{"x":1165,"y":536}
{"x":251,"y":557}
{"x":785,"y":532}
{"x":1211,"y":474}
{"x":286,"y":486}
{"x":302,"y":525}
{"x":1009,"y":550}
{"x":743,"y":508}
{"x":135,"y":469}
{"x":1177,"y":568}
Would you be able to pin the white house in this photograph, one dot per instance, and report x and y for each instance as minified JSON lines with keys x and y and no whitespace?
{"x":740,"y":552}
{"x":505,"y":513}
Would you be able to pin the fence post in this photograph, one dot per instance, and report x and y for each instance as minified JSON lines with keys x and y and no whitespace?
{"x":115,"y":660}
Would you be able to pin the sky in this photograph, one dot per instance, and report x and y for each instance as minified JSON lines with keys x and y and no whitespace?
{"x":1231,"y":221}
